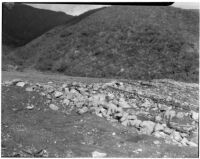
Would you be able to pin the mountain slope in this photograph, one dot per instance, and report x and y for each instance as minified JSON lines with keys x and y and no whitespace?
{"x":23,"y":23}
{"x":137,"y":42}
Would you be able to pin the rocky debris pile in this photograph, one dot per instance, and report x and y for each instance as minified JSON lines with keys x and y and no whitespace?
{"x":141,"y":105}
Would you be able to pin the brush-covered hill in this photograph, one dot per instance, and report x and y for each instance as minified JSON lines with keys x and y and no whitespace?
{"x":136,"y":42}
{"x":23,"y":23}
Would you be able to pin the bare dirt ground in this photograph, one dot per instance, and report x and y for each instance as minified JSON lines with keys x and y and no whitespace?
{"x":42,"y":132}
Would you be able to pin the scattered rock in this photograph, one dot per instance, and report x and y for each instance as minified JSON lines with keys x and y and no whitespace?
{"x":97,"y":154}
{"x":53,"y":107}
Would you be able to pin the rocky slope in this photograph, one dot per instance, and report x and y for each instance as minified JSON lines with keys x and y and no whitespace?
{"x":162,"y":109}
{"x":121,"y":41}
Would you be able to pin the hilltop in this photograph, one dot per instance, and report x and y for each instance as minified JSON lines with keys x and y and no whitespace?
{"x":133,"y":42}
{"x":22,"y":23}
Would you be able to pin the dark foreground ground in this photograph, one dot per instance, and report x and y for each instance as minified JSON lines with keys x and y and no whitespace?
{"x":42,"y":132}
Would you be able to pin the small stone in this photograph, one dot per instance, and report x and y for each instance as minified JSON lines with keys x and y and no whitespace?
{"x":20,"y":84}
{"x":184,"y":141}
{"x":135,"y":123}
{"x":122,"y":103}
{"x":176,"y":136}
{"x":180,"y":115}
{"x":168,"y":130}
{"x":125,"y":122}
{"x":190,"y":143}
{"x":58,"y":94}
{"x":170,"y":114}
{"x":139,"y":150}
{"x":113,"y":133}
{"x":97,"y":154}
{"x":147,"y":127}
{"x":195,"y":115}
{"x":146,"y":104}
{"x":132,"y":117}
{"x":30,"y":107}
{"x":53,"y":107}
{"x":29,"y":89}
{"x":158,"y":118}
{"x":158,"y":127}
{"x":159,"y":134}
{"x":50,"y":82}
{"x":163,"y":107}
{"x":15,"y":81}
{"x":83,"y":110}
{"x":156,"y":142}
{"x":66,"y":101}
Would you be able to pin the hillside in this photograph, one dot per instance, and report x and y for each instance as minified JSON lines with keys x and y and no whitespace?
{"x":134,"y":42}
{"x":22,"y":23}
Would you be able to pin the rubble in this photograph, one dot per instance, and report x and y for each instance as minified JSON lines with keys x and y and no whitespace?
{"x":149,"y":111}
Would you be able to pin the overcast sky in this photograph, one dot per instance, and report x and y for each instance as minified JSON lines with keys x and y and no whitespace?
{"x":78,"y":9}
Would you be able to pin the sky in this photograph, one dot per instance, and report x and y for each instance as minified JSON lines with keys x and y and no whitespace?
{"x":78,"y":9}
